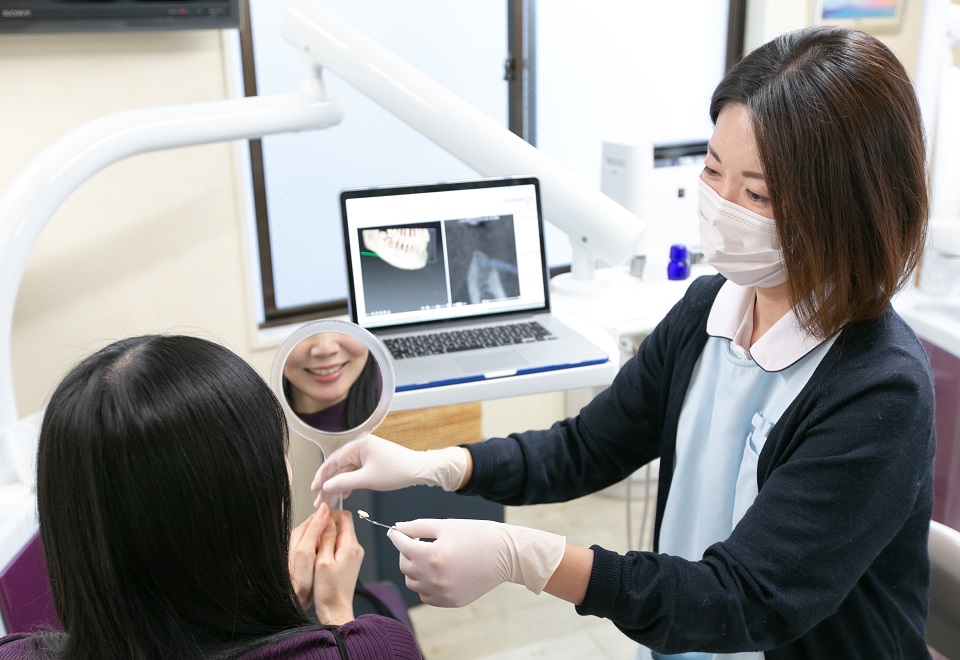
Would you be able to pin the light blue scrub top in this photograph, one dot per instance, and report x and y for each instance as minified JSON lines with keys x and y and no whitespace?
{"x":735,"y":398}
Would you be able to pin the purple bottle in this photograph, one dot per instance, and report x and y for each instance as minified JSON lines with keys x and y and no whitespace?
{"x":679,"y":266}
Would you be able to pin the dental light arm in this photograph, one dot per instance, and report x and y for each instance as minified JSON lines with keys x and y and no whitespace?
{"x":598,"y":227}
{"x":33,"y":197}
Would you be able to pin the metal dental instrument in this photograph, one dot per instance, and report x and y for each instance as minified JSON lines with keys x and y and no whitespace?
{"x":366,"y":516}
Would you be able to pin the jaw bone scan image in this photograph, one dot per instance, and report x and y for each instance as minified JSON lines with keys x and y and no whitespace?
{"x":401,"y":247}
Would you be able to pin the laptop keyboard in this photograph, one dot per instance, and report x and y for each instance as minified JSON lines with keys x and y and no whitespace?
{"x":465,"y":340}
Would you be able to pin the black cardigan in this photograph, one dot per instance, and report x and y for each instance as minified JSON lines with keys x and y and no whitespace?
{"x":831,"y":559}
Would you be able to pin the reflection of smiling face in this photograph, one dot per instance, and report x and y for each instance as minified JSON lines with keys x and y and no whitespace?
{"x":321,"y":370}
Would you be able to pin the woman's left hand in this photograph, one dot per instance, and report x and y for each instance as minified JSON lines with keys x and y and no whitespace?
{"x":336,"y":568}
{"x":303,"y":553}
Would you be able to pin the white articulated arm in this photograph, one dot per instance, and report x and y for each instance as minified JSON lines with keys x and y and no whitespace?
{"x":34,"y":196}
{"x":595,"y":223}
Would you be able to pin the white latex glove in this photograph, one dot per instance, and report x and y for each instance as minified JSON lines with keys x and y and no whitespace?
{"x":377,"y":464}
{"x":468,"y":558}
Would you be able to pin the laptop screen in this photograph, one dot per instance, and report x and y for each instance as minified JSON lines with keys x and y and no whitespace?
{"x":443,"y":251}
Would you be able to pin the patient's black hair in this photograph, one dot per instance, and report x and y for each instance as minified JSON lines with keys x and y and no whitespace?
{"x":165,"y":504}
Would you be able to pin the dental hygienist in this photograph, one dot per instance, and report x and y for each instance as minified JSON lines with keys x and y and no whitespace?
{"x":790,"y":406}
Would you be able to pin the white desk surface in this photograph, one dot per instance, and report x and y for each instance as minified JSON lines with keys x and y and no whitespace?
{"x":625,"y":305}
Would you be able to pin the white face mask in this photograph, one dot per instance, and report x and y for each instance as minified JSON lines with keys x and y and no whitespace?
{"x":740,"y":244}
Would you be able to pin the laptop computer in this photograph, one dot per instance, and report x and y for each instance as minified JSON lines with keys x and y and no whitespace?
{"x":452,"y":277}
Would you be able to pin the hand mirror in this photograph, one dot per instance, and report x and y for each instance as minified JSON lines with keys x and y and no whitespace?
{"x":335,"y":382}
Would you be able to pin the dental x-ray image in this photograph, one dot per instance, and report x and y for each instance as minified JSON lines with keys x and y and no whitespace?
{"x":482,"y":254}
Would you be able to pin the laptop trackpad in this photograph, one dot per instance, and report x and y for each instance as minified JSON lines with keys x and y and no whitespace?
{"x":481,"y":364}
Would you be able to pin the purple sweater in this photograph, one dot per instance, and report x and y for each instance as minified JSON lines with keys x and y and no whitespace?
{"x":368,"y":637}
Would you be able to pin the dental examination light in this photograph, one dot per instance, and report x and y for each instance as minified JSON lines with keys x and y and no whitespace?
{"x":598,"y":227}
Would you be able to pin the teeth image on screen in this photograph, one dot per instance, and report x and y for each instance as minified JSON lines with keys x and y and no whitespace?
{"x":401,"y":247}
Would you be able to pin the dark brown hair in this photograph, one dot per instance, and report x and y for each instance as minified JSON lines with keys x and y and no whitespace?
{"x":841,"y":143}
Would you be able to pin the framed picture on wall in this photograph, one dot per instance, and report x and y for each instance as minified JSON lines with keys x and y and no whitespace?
{"x":867,"y":15}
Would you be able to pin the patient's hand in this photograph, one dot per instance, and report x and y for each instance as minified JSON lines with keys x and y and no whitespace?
{"x":303,"y":554}
{"x":325,"y":559}
{"x":336,"y":569}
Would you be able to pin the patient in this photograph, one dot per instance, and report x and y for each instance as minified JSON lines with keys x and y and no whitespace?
{"x":164,"y":502}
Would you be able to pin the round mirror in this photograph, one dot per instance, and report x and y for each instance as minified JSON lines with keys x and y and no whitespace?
{"x":334,"y":381}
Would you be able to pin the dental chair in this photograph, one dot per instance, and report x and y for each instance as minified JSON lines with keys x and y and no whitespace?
{"x":25,"y":601}
{"x":26,"y":604}
{"x":943,"y":619}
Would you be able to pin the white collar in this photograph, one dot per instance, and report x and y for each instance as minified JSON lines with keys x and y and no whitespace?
{"x":782,"y":345}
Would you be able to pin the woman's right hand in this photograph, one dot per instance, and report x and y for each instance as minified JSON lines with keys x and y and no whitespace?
{"x":377,"y":464}
{"x":336,"y":569}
